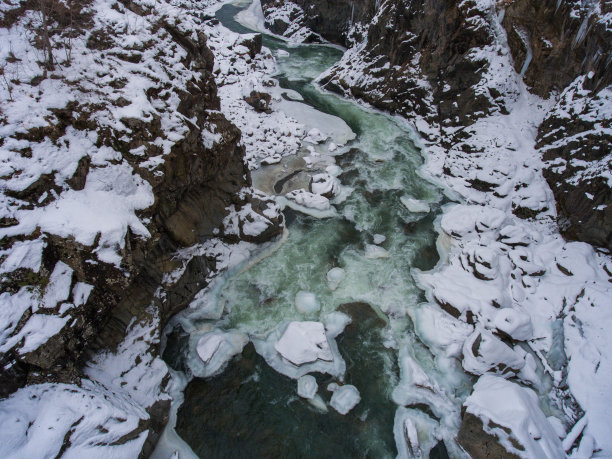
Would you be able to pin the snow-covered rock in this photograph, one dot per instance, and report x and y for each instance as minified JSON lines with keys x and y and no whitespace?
{"x":414,"y":205}
{"x":514,"y":323}
{"x":379,"y":239}
{"x":334,"y":276}
{"x":499,"y":402}
{"x":309,"y":200}
{"x":325,"y":185}
{"x":483,"y":353}
{"x":373,"y":251}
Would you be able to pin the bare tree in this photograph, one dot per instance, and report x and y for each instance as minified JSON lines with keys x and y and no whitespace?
{"x":7,"y":83}
{"x":45,"y":7}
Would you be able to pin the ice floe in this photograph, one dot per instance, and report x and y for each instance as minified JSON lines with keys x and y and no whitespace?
{"x":344,"y":398}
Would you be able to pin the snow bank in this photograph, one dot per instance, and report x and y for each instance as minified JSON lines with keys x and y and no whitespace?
{"x":504,"y":403}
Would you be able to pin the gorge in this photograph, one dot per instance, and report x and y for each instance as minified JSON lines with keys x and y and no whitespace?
{"x":306,"y":229}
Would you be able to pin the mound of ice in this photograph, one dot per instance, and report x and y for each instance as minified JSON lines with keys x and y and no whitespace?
{"x":415,"y":432}
{"x":373,"y":251}
{"x":335,"y":322}
{"x":334,"y":277}
{"x":439,"y":330}
{"x":306,"y":302}
{"x":417,"y":388}
{"x":212,"y":351}
{"x":414,"y":205}
{"x":307,"y":386}
{"x":307,"y":199}
{"x":304,"y":342}
{"x":345,"y":398}
{"x":379,"y":239}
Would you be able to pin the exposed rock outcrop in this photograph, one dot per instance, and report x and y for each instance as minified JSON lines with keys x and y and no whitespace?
{"x":575,"y":140}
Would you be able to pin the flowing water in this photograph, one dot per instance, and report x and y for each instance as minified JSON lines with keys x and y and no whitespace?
{"x":252,"y":410}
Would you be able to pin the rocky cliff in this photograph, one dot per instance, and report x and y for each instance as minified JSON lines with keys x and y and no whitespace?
{"x":115,"y":157}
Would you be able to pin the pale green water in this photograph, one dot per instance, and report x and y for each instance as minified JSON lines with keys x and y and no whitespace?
{"x":251,"y":410}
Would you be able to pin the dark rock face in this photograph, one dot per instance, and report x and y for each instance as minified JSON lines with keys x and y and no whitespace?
{"x":479,"y":444}
{"x":331,"y":20}
{"x":417,"y":56}
{"x":564,"y":43}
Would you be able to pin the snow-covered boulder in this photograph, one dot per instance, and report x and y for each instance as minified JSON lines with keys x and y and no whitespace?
{"x":514,"y":323}
{"x":414,"y":205}
{"x":309,"y":200}
{"x":512,"y":413}
{"x":315,"y":136}
{"x":461,"y":220}
{"x":483,"y":352}
{"x":374,"y":251}
{"x":324,"y":184}
{"x":334,"y":277}
{"x":379,"y":239}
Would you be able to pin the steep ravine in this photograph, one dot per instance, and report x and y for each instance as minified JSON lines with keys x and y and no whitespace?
{"x":372,"y":239}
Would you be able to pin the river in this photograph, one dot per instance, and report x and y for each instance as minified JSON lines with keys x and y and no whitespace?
{"x":252,"y":410}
